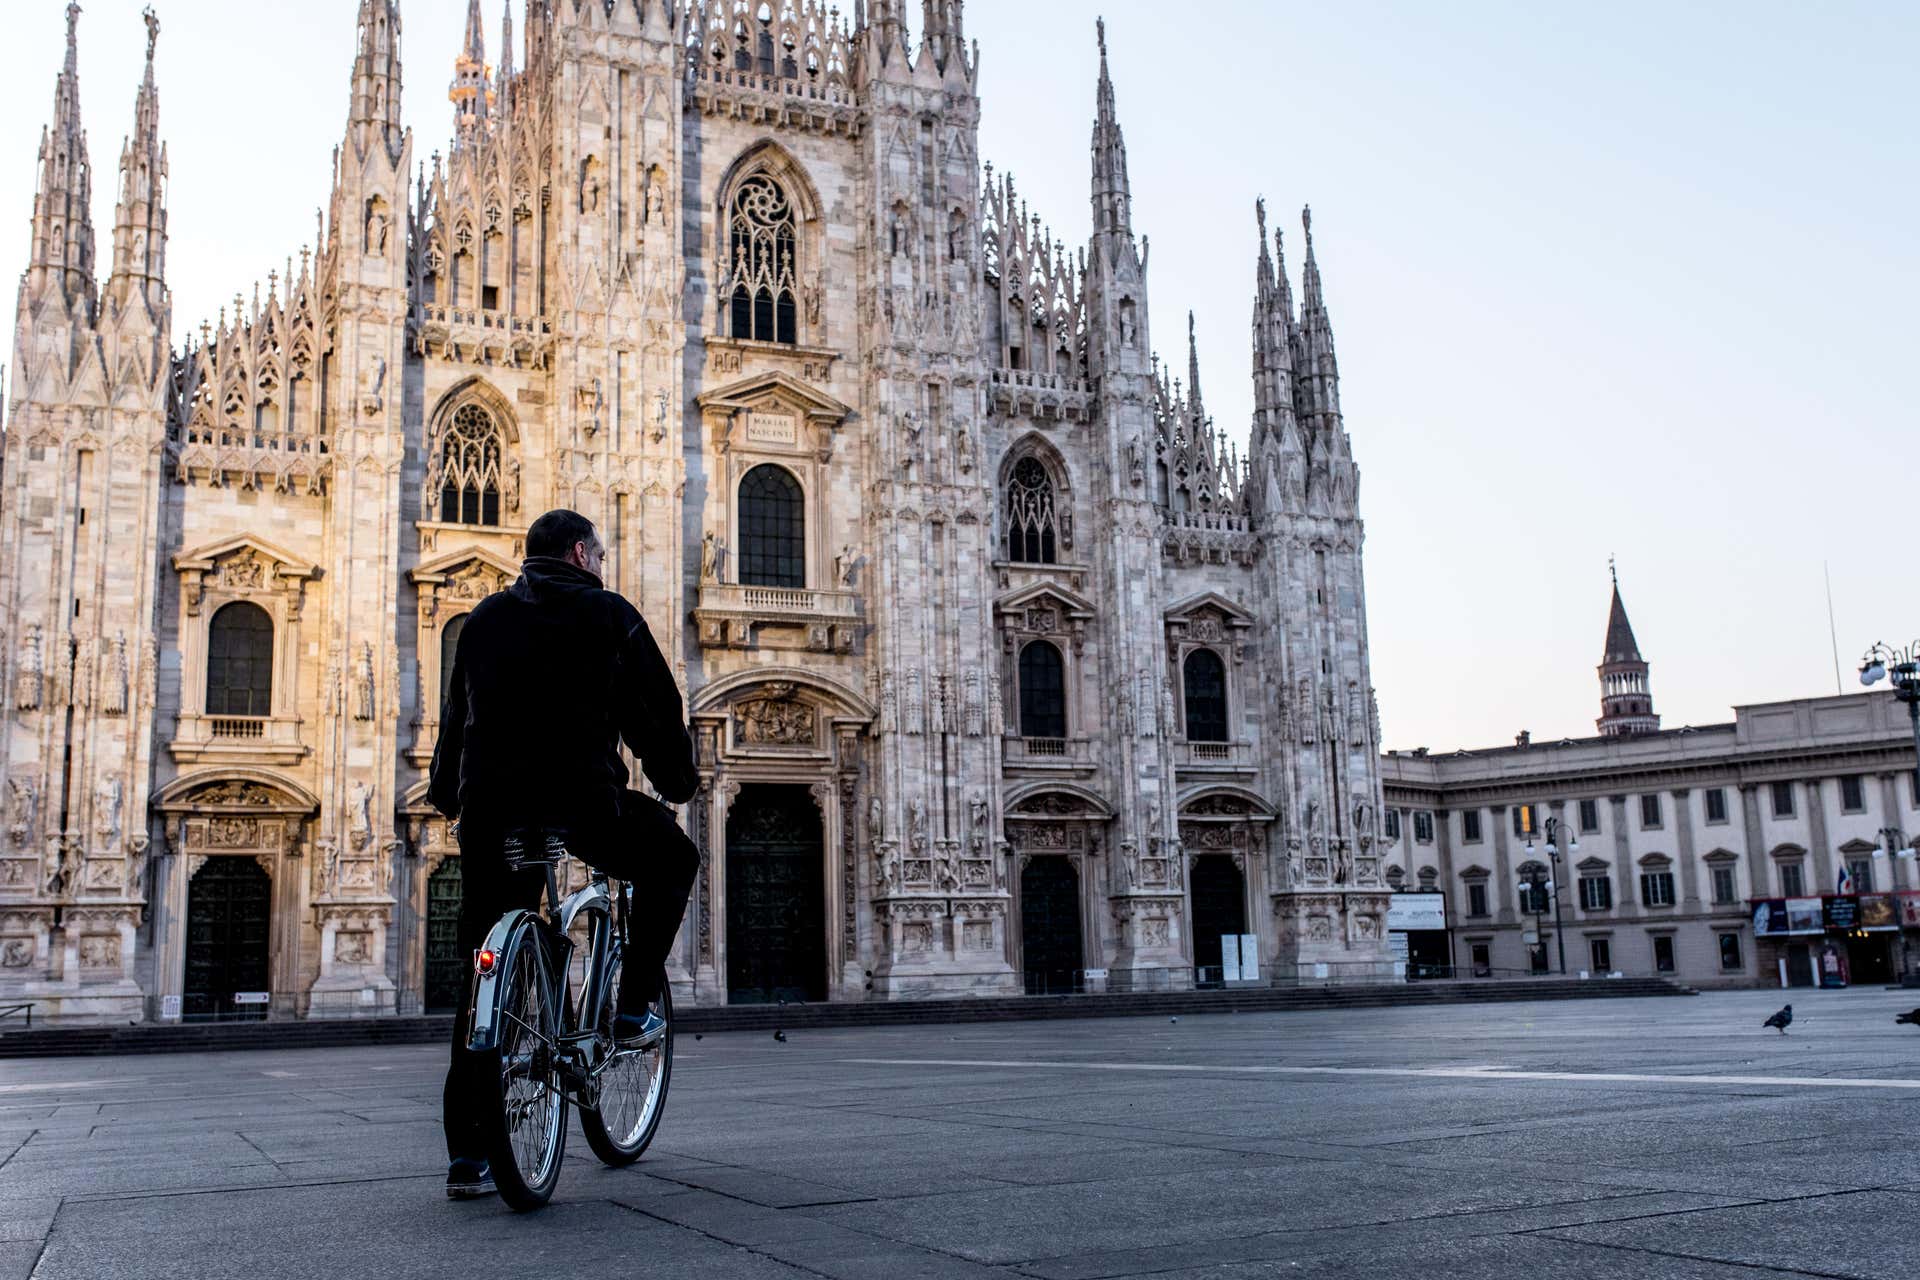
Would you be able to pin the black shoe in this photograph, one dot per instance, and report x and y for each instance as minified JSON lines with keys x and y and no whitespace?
{"x":639,"y":1031}
{"x":469,"y":1180}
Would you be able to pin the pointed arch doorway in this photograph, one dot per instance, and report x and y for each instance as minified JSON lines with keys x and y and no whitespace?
{"x":776,"y":896}
{"x":1219,"y":907}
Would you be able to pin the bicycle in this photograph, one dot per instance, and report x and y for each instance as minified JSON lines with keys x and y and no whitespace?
{"x":550,"y":1049}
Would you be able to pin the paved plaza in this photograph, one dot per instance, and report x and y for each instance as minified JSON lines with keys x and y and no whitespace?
{"x":1656,"y":1137}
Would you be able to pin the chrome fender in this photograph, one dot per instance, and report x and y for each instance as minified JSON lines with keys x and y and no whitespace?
{"x":592,"y":898}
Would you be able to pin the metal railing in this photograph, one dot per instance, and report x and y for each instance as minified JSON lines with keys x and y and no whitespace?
{"x":25,"y":1009}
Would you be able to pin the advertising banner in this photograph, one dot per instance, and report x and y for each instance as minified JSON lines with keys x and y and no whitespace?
{"x":1909,"y":909}
{"x":1841,"y":913}
{"x":1417,"y":911}
{"x":1805,"y":916}
{"x":1876,"y":911}
{"x":1769,"y":917}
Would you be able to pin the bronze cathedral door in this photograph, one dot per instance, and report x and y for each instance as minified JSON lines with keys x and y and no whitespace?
{"x":228,"y":910}
{"x":776,"y":897}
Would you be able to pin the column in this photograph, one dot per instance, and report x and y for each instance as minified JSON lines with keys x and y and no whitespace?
{"x":1683,"y":851}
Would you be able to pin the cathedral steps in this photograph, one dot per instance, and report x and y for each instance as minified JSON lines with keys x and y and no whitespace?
{"x":328,"y":1033}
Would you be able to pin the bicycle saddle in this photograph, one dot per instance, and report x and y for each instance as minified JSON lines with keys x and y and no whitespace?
{"x":531,"y":846}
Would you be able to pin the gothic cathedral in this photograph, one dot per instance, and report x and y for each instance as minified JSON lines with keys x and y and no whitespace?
{"x":1005,"y":673}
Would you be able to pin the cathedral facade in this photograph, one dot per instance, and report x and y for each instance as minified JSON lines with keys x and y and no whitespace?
{"x":1004,"y":672}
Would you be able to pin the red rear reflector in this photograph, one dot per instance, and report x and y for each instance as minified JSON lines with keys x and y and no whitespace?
{"x":483,"y":961}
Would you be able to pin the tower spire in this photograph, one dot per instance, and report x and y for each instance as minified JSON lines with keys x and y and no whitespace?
{"x":140,"y":217}
{"x":1112,"y":201}
{"x":61,"y":258}
{"x":1193,"y":375}
{"x":1322,"y":370}
{"x":1626,"y":700}
{"x":375,"y":111}
{"x":1273,"y":410}
{"x":470,"y":93}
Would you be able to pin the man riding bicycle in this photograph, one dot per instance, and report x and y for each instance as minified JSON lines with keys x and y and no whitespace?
{"x":550,"y":676}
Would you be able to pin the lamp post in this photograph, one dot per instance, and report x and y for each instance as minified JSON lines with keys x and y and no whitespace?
{"x":1556,"y":831}
{"x":1903,"y":665}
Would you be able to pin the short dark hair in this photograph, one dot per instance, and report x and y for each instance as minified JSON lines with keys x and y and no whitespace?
{"x":554,"y":533}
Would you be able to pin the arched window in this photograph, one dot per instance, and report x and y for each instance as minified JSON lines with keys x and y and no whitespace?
{"x":449,"y":646}
{"x":240,"y":661}
{"x":472,"y":454}
{"x":773,"y":529}
{"x":1043,"y":692}
{"x":761,"y":266}
{"x":1206,"y":681}
{"x":1031,"y":522}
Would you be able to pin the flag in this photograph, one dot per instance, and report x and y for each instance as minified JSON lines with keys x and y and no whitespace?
{"x":1846,"y":880}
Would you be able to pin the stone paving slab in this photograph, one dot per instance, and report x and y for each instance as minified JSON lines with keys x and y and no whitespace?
{"x":1052,"y":1151}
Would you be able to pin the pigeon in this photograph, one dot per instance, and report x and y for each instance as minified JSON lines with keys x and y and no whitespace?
{"x":1912,"y":1016}
{"x":781,"y":1036}
{"x":1780,"y":1019}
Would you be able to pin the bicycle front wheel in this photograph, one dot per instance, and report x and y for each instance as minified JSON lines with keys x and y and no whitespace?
{"x":633,"y":1089}
{"x":530,"y":1119}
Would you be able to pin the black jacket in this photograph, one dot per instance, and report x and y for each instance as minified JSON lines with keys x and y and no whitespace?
{"x":549,"y":677}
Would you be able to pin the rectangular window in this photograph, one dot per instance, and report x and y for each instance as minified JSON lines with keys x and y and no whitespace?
{"x":1534,"y":899}
{"x":1852,"y":795}
{"x":1601,"y":952}
{"x":1596,"y":893}
{"x":1724,"y":887}
{"x":1589,"y":816}
{"x":1477,"y":898}
{"x":1862,"y":869}
{"x":1656,"y":888}
{"x":1526,"y":819}
{"x":1482,"y":953}
{"x":1793,"y":882}
{"x":1649,"y":812}
{"x":1393,"y":824}
{"x":1716,"y":804}
{"x":1470,"y":826}
{"x":1782,"y":799}
{"x":1423,"y":826}
{"x":1729,"y":952}
{"x":1662,"y":953}
{"x":490,"y":297}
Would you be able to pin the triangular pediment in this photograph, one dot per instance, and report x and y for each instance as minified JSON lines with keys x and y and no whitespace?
{"x":1475,"y":872}
{"x":1210,"y":600}
{"x":761,"y":389}
{"x":1071,"y":603}
{"x":206,"y":556}
{"x":463,"y":563}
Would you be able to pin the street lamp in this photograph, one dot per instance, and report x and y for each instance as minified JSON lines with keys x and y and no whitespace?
{"x":1556,"y":830}
{"x":1903,"y":665}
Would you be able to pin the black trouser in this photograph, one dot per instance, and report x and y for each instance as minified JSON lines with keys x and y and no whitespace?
{"x":644,"y":847}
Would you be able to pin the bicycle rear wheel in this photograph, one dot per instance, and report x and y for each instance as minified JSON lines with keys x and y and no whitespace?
{"x":529,"y":1119}
{"x":633,"y":1088}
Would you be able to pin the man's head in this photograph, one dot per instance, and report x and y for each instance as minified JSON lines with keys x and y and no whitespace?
{"x":570,"y":536}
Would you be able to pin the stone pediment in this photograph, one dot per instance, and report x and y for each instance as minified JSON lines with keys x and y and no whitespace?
{"x":772,"y":412}
{"x":1593,"y":865}
{"x":242,"y":564}
{"x":240,"y":550}
{"x":468,"y":574}
{"x":1235,"y":804}
{"x":1054,"y":801}
{"x":1195,"y":607}
{"x":1475,"y":872}
{"x":1043,"y":594}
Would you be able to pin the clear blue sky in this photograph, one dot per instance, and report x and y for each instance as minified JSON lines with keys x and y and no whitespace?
{"x":1614,"y":279}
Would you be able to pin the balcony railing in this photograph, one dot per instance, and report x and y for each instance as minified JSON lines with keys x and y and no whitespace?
{"x":736,"y":615}
{"x":1213,"y":755}
{"x":239,"y":726}
{"x":1050,"y":751}
{"x":736,"y":597}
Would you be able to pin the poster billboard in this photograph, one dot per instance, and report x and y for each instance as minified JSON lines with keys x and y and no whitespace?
{"x":1876,"y":911}
{"x":1805,"y":916}
{"x":1408,"y":911}
{"x":1841,"y":912}
{"x":1769,"y":917}
{"x":1909,"y":911}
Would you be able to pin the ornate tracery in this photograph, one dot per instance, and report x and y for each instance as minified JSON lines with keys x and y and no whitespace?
{"x":470,"y":468}
{"x":1032,"y":526}
{"x":760,"y":262}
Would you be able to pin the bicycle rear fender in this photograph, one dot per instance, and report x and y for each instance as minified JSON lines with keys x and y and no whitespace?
{"x":592,"y":898}
{"x":508,"y":933}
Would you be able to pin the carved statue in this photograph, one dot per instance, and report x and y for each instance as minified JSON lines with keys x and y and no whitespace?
{"x":590,"y":184}
{"x":373,"y":379}
{"x":376,"y":227}
{"x":977,"y":808}
{"x":948,"y":868}
{"x":963,"y":449}
{"x":363,"y":683}
{"x":1149,"y":706}
{"x":1305,"y":716}
{"x":1169,"y":723}
{"x":656,"y":197}
{"x":917,"y":827}
{"x":888,"y":700}
{"x":975,"y":709}
{"x":23,"y":803}
{"x":1130,"y":862}
{"x":910,"y":425}
{"x":60,"y":874}
{"x":1136,"y":468}
{"x":29,"y":680}
{"x":113,"y":680}
{"x":876,"y":821}
{"x":713,"y":554}
{"x":360,"y":814}
{"x":915,"y":710}
{"x":778,"y":719}
{"x":1356,"y":714}
{"x":106,"y":811}
{"x":1373,"y":713}
{"x":996,"y":720}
